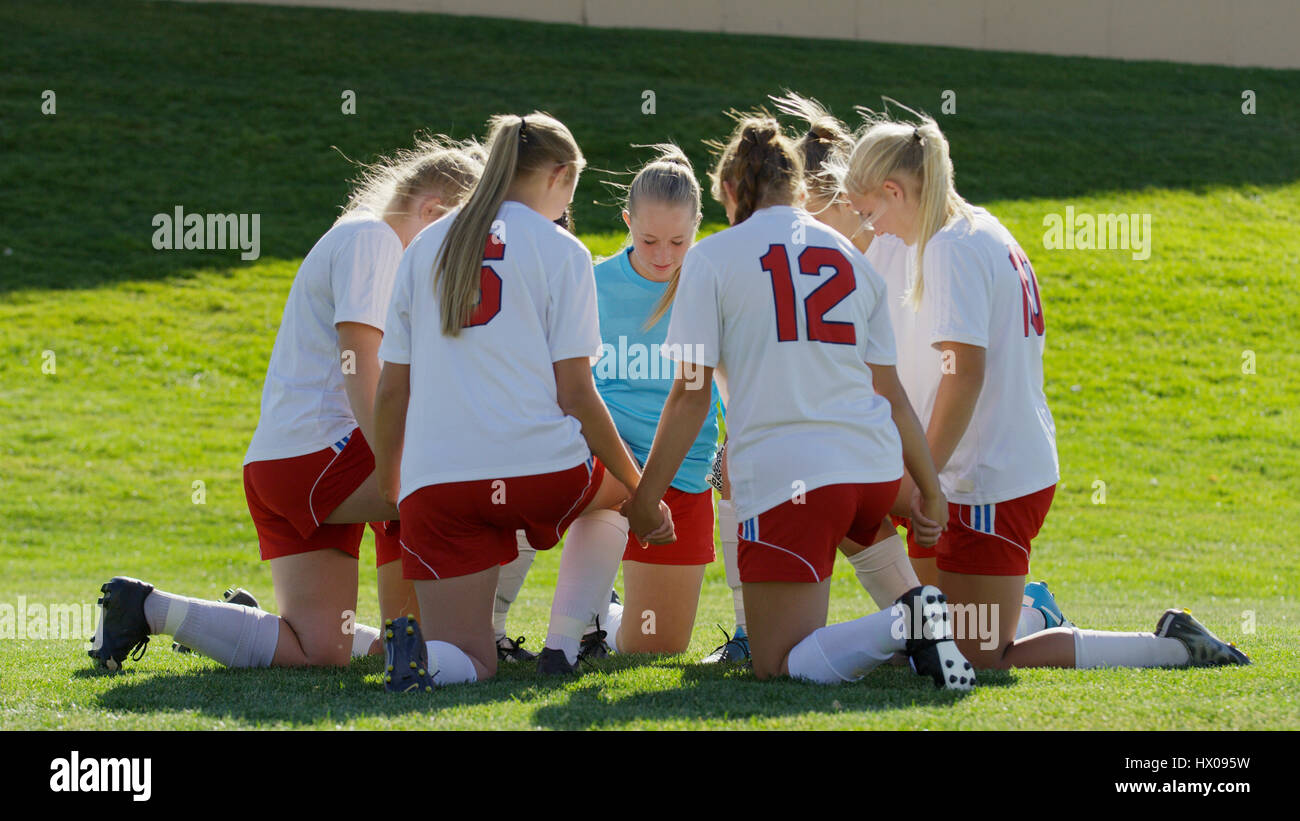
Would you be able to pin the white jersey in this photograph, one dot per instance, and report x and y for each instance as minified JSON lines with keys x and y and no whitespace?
{"x":790,"y":313}
{"x":346,"y":277}
{"x":484,"y":404}
{"x":979,"y":289}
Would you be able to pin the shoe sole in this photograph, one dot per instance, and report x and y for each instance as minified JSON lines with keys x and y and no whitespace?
{"x":406,"y":657}
{"x":97,"y":641}
{"x":940,"y":659}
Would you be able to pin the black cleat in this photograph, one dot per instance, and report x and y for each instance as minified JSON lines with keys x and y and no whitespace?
{"x":406,"y":657}
{"x":233,"y":595}
{"x":930,"y":646}
{"x":1203,"y":647}
{"x":593,"y":646}
{"x":509,"y":649}
{"x":734,"y":650}
{"x":123,"y":629}
{"x":551,"y":662}
{"x":613,"y":597}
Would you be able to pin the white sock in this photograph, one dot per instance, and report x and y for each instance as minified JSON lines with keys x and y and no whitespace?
{"x":1031,"y":621}
{"x":510,"y":581}
{"x":846,"y":651}
{"x":449,"y":663}
{"x":235,"y":635}
{"x":884,"y":571}
{"x":610,"y":623}
{"x":1097,"y":648}
{"x":589,"y":563}
{"x":363,"y":639}
{"x":730,"y":561}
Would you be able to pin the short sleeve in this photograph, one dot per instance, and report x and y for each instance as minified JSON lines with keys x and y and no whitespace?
{"x":396,"y":344}
{"x":362,"y":275}
{"x":960,"y":292}
{"x":881,"y":349}
{"x":695,"y":330}
{"x":572,"y":323}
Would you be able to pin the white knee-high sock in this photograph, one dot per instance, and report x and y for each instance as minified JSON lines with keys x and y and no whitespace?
{"x":1097,"y":648}
{"x":589,"y":563}
{"x":730,"y":561}
{"x":449,"y":663}
{"x":610,"y":622}
{"x":884,"y":571}
{"x":846,"y":651}
{"x":1031,"y":621}
{"x":235,"y":635}
{"x":510,"y":581}
{"x":363,"y":639}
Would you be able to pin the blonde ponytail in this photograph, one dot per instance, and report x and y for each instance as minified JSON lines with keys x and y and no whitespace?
{"x":668,"y":178}
{"x":435,"y":165}
{"x":516,"y":145}
{"x":884,"y":148}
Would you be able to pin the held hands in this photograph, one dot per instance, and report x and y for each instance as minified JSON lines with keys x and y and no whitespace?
{"x":929,"y":517}
{"x":650,"y":526}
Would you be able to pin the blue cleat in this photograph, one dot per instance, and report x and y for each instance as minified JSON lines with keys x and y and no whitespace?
{"x":1041,"y":599}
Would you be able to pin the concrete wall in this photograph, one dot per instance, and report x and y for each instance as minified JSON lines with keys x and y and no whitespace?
{"x":1226,"y":32}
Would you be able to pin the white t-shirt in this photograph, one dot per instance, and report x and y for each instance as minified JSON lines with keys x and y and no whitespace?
{"x":801,"y":414}
{"x":979,"y":289}
{"x":346,"y":277}
{"x":484,"y":404}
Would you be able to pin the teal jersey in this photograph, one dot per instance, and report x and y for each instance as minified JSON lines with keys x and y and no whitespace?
{"x":632,"y":374}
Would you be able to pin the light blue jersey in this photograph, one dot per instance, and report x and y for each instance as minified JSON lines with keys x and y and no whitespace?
{"x":634,"y":377}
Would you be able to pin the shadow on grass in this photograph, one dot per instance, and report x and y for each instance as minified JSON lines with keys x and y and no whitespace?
{"x":596,"y":699}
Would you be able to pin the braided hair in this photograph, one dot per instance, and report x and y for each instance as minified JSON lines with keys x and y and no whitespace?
{"x":761,"y":163}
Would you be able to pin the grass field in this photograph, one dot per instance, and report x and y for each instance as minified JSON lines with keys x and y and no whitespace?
{"x":159,"y":356}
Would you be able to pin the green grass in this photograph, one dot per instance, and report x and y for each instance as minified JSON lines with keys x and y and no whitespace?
{"x":160,"y":355}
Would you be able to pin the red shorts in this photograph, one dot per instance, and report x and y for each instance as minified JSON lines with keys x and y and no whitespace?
{"x":459,"y":528}
{"x":989,"y":540}
{"x":289,"y":499}
{"x":693,"y":522}
{"x":388,"y":542}
{"x":796,"y":542}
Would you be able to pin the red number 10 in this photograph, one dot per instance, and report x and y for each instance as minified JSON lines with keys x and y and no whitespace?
{"x":1033,"y":303}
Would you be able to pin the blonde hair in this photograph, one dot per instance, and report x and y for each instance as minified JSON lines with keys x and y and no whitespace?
{"x":886,"y":147}
{"x":435,"y":165}
{"x":760,"y":161}
{"x":516,"y":146}
{"x":669,"y":178}
{"x":825,"y":140}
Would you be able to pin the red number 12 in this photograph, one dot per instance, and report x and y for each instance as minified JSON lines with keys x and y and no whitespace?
{"x":776,"y":262}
